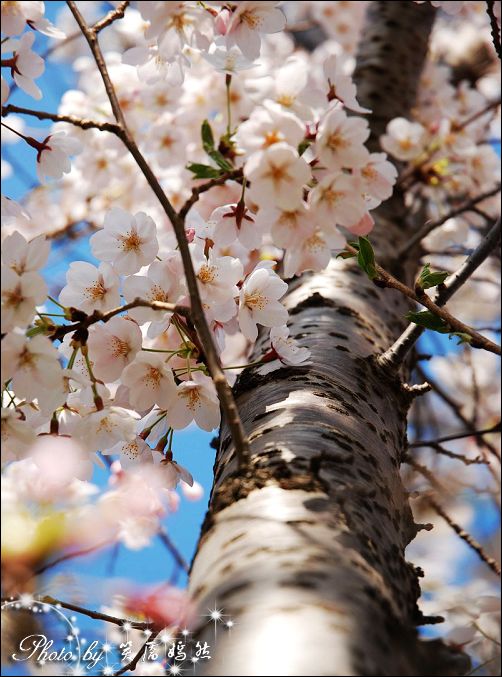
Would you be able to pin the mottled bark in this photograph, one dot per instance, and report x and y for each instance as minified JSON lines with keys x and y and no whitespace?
{"x":305,"y":550}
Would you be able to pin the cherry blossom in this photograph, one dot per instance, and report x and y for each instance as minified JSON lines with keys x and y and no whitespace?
{"x":249,"y":20}
{"x":340,"y":140}
{"x":377,"y":178}
{"x":90,"y":288}
{"x":131,"y":452}
{"x":23,"y":256}
{"x":284,"y":350}
{"x":25,"y":64}
{"x":16,"y":15}
{"x":236,"y":222}
{"x":258,"y":302}
{"x":227,"y":60}
{"x":113,"y":345}
{"x":150,"y":381}
{"x":20,"y":296}
{"x":340,"y":84}
{"x":277,"y":176}
{"x":311,"y":250}
{"x":195,"y":400}
{"x":163,"y":282}
{"x":53,"y":157}
{"x":129,"y":242}
{"x":403,"y":139}
{"x":99,"y":430}
{"x":17,"y":435}
{"x":174,"y":473}
{"x":32,"y":364}
{"x":337,"y":199}
{"x":269,"y":125}
{"x":217,"y":275}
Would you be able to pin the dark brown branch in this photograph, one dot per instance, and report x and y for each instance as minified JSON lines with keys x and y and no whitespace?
{"x":479,"y":460}
{"x":456,"y":408}
{"x":99,"y":316}
{"x":131,"y":666}
{"x":494,"y":27}
{"x":223,"y":389}
{"x":178,"y":557}
{"x":459,"y":436}
{"x":68,"y":556}
{"x":56,"y":117}
{"x":198,"y":190}
{"x":112,"y":16}
{"x":95,"y":615}
{"x":406,"y":249}
{"x":470,"y":540}
{"x":385,"y":279}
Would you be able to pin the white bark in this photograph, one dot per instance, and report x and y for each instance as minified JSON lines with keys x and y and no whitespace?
{"x":305,"y":551}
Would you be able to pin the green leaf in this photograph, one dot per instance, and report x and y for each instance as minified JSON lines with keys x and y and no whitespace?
{"x":220,"y":160}
{"x":366,"y":258}
{"x":345,"y":255}
{"x":203,"y":171}
{"x":207,"y":137}
{"x":428,"y":279}
{"x":462,"y":338}
{"x":302,"y":146}
{"x":428,"y":320}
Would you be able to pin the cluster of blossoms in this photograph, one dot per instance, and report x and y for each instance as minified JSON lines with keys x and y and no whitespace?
{"x":293,"y":180}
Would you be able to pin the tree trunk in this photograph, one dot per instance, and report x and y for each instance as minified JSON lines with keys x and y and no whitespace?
{"x":305,"y":550}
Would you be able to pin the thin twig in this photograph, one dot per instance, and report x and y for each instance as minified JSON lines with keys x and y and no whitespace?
{"x":458,"y":436}
{"x":95,"y":615}
{"x":112,"y":16}
{"x":456,"y":408}
{"x":425,"y":472}
{"x":198,"y":190}
{"x":68,"y":556}
{"x":470,"y":540}
{"x":130,"y":667}
{"x":223,"y":389}
{"x":56,"y":117}
{"x":99,"y":316}
{"x":479,"y":460}
{"x":429,"y":227}
{"x":178,"y":557}
{"x":494,"y":27}
{"x":394,"y":356}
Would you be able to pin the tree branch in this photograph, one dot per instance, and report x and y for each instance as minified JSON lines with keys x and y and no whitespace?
{"x":479,"y":460}
{"x":131,"y":666}
{"x":494,"y":26}
{"x":99,"y":316}
{"x":457,"y":411}
{"x":223,"y":389}
{"x":395,"y":355}
{"x":56,"y":117}
{"x":458,"y":436}
{"x":112,"y":16}
{"x":95,"y":615}
{"x":198,"y":190}
{"x":471,"y":542}
{"x":406,"y":249}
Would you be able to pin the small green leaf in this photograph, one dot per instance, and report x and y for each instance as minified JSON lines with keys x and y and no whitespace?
{"x":302,"y":146}
{"x":428,"y":320}
{"x":220,"y":160}
{"x":203,"y":171}
{"x":345,"y":255}
{"x":428,"y":278}
{"x":366,"y":258}
{"x":462,"y":338}
{"x":207,"y":137}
